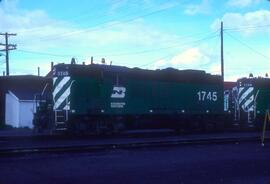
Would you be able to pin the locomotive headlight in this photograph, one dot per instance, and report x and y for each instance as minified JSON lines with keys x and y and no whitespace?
{"x":73,"y":111}
{"x":183,"y":111}
{"x":207,"y":111}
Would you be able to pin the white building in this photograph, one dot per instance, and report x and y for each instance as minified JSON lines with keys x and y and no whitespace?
{"x":17,"y":104}
{"x":19,"y":112}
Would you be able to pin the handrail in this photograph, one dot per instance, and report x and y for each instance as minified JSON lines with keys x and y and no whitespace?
{"x":266,"y":119}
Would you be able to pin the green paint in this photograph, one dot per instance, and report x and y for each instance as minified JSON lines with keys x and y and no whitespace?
{"x":141,"y":96}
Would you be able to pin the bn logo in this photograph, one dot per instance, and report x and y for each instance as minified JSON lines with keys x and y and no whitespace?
{"x":118,"y":92}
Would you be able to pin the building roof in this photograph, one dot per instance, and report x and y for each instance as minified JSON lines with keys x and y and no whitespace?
{"x":23,"y":86}
{"x":229,"y":85}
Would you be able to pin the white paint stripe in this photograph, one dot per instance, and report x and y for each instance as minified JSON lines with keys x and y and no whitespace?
{"x":67,"y":107}
{"x":240,"y":90}
{"x":62,"y":98}
{"x":248,"y":102}
{"x":245,"y":94}
{"x":251,"y":99}
{"x":249,"y":108}
{"x":54,"y":79}
{"x":60,"y":85}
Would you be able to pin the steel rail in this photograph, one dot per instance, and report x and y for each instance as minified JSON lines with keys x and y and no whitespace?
{"x":15,"y":151}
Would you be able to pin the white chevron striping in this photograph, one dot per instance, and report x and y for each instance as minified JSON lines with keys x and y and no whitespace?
{"x":60,"y":85}
{"x":240,"y":90}
{"x":54,"y":79}
{"x":247,"y":104}
{"x":67,"y":107}
{"x":62,"y":98}
{"x":245,"y":94}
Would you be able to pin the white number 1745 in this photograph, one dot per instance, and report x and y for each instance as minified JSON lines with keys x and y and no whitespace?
{"x":207,"y":95}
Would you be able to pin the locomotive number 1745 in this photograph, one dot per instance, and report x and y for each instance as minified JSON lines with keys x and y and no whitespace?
{"x":207,"y":95}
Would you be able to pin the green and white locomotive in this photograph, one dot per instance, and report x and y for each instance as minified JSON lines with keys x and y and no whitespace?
{"x":251,"y":100}
{"x":110,"y":98}
{"x":104,"y":98}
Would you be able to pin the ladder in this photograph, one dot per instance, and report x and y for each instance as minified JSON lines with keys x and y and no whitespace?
{"x":60,"y":119}
{"x":250,"y":118}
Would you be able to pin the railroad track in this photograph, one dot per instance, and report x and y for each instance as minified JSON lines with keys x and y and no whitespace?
{"x":126,"y":134}
{"x":129,"y":144}
{"x":131,"y":134}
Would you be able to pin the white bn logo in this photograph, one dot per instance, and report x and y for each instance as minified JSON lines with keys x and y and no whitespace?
{"x":118,"y":92}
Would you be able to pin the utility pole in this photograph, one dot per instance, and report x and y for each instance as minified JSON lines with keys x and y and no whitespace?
{"x":38,"y":71}
{"x":221,"y":51}
{"x":7,"y":48}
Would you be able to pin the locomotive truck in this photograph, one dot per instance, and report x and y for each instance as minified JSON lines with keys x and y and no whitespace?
{"x":105,"y":98}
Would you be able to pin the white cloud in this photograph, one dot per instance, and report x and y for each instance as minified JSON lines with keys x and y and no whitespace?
{"x":214,"y":69}
{"x":196,"y":57}
{"x":241,"y":3}
{"x":37,"y":30}
{"x":117,"y":4}
{"x":201,"y":58}
{"x":240,"y":21}
{"x":204,"y":8}
{"x":189,"y":57}
{"x":145,"y":5}
{"x":160,"y":64}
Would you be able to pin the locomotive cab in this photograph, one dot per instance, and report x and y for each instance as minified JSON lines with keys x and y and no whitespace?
{"x":62,"y":83}
{"x":251,"y":101}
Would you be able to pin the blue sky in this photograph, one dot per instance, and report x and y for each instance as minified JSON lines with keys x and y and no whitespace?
{"x":150,"y":34}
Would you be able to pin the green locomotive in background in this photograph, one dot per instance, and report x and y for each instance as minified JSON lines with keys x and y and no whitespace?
{"x":251,"y":98}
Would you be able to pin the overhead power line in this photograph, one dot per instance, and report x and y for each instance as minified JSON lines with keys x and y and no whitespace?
{"x":115,"y":22}
{"x":248,"y":46}
{"x":103,"y":54}
{"x":197,"y":42}
{"x":246,"y":27}
{"x":208,"y":37}
{"x":75,"y":18}
{"x":45,"y":53}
